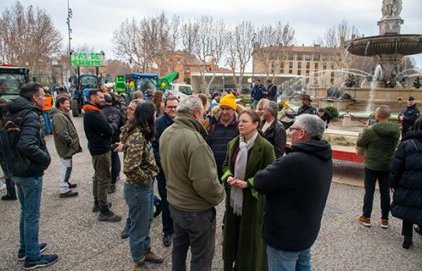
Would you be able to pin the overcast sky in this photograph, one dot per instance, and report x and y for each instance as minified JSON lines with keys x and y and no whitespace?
{"x":94,"y":21}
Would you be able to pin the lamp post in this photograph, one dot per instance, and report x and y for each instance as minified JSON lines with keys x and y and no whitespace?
{"x":69,"y":29}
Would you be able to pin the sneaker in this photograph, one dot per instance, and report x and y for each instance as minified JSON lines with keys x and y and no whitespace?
{"x":45,"y":260}
{"x":407,"y":243}
{"x":109,"y":216}
{"x":8,"y":197}
{"x":384,"y":223}
{"x":366,"y":221}
{"x":68,"y":194}
{"x":22,"y":256}
{"x":167,"y":239}
{"x":140,"y":265}
{"x":152,"y":257}
{"x":72,"y":185}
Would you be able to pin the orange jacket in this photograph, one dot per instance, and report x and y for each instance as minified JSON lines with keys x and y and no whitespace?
{"x":48,"y":103}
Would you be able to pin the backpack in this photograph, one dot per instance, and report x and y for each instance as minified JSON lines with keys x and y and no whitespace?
{"x":9,"y":137}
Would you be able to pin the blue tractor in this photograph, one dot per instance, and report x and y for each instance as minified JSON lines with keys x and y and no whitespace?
{"x":81,"y":84}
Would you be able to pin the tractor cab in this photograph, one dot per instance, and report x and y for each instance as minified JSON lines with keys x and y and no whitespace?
{"x":11,"y":80}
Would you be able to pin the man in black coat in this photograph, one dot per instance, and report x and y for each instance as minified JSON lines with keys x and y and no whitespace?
{"x":28,"y":172}
{"x":296,"y":187}
{"x":408,"y":116}
{"x":162,"y":122}
{"x":273,"y":129}
{"x":115,"y":117}
{"x":99,"y":134}
{"x":271,"y":91}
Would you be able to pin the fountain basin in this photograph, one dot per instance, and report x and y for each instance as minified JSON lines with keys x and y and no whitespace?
{"x":395,"y":98}
{"x":389,"y":44}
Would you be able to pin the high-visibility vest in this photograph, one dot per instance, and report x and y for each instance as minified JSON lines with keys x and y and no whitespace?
{"x":48,"y":103}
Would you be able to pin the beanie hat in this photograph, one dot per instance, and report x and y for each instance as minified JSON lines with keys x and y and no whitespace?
{"x":228,"y":100}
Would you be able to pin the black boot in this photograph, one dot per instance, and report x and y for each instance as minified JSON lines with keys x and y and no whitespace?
{"x":107,"y":215}
{"x":407,"y":243}
{"x":96,"y":207}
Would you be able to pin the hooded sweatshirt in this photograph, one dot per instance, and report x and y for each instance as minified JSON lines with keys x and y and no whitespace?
{"x":97,"y":130}
{"x":296,"y":187}
{"x":380,"y":142}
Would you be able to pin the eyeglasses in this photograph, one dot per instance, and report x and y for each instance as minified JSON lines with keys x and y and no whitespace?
{"x":295,"y":129}
{"x":171,"y":107}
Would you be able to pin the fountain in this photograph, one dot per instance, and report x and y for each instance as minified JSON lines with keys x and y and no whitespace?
{"x":387,"y":49}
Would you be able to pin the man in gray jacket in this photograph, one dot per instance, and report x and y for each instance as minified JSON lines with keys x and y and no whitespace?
{"x":67,"y":143}
{"x":193,"y":188}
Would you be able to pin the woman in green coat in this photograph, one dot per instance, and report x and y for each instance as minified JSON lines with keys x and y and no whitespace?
{"x":243,"y":246}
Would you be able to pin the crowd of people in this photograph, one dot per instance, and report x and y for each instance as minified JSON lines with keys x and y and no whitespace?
{"x":200,"y":153}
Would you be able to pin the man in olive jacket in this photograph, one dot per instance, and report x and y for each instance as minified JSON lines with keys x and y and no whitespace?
{"x":378,"y":144}
{"x":193,"y":188}
{"x":67,"y":143}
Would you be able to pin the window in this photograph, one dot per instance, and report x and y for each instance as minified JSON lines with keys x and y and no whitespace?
{"x":316,"y":66}
{"x":308,"y":65}
{"x":299,"y":72}
{"x":290,"y":65}
{"x":299,"y":65}
{"x":299,"y":56}
{"x":317,"y":57}
{"x":307,"y":57}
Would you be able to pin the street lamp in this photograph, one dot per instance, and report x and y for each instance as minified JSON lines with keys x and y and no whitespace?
{"x":69,"y":29}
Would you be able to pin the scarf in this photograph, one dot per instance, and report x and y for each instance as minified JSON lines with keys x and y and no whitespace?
{"x":236,"y":194}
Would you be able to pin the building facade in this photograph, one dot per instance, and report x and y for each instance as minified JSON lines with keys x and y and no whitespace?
{"x":183,"y":63}
{"x":315,"y":65}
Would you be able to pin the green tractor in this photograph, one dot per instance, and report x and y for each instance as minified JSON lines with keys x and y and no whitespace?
{"x":11,"y":80}
{"x":125,"y":85}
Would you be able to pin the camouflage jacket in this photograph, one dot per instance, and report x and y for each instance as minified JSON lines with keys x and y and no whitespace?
{"x":139,"y":163}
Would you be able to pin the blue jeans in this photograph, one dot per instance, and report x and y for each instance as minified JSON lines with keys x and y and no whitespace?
{"x":48,"y":125}
{"x":280,"y":260}
{"x":29,"y":193}
{"x":139,"y":198}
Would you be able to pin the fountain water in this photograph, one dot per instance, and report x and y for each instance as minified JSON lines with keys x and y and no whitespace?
{"x":390,"y":46}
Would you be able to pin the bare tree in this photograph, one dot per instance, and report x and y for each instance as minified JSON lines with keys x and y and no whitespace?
{"x":240,"y":50}
{"x":28,"y":37}
{"x":189,"y":35}
{"x":206,"y":39}
{"x":145,"y":43}
{"x":128,"y":43}
{"x":267,"y":45}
